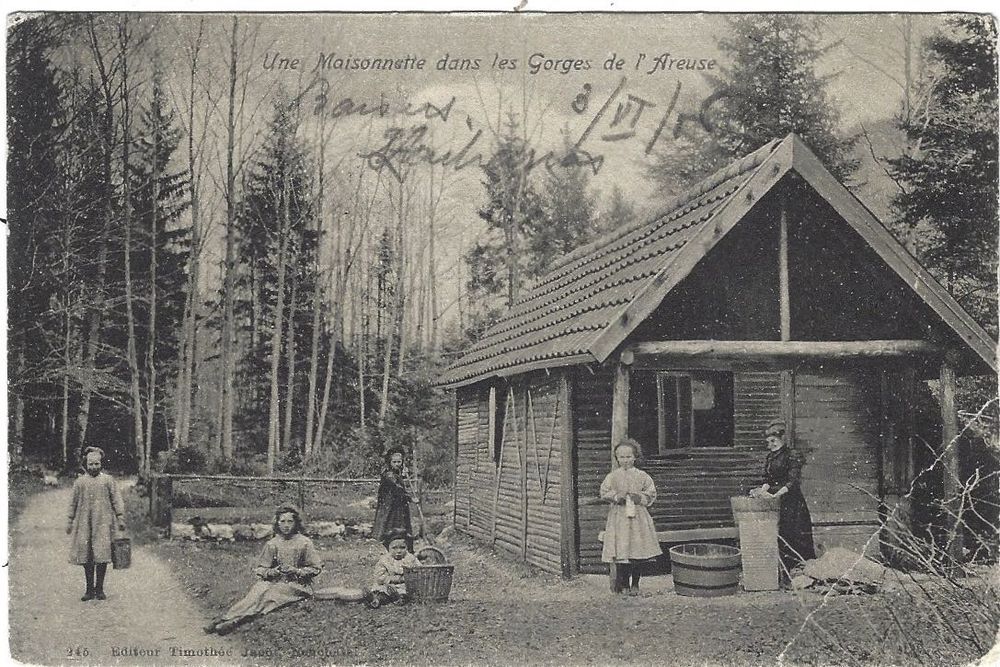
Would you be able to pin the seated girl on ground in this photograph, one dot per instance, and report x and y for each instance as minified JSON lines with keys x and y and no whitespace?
{"x":285,"y":570}
{"x":389,"y":584}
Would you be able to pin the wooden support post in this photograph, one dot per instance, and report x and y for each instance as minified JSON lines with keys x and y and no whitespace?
{"x":788,"y":405}
{"x":619,"y":409}
{"x":950,"y":458}
{"x":910,"y":423}
{"x":783,"y":295}
{"x":161,"y":500}
{"x":887,"y":437}
{"x":569,"y":557}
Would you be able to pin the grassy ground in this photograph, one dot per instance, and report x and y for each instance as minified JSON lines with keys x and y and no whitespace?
{"x":505,"y":613}
{"x":21,"y":485}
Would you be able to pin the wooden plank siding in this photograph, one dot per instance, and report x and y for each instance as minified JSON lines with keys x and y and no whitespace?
{"x":592,"y":436}
{"x":756,"y":402}
{"x":467,"y":432}
{"x":694,"y":485}
{"x":514,"y":500}
{"x":483,"y":473}
{"x":837,"y":430}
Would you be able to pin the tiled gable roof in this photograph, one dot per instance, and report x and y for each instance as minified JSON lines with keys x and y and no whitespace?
{"x":590,"y":301}
{"x":581,"y":296}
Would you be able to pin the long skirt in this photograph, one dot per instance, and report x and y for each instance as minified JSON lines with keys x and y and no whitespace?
{"x":264,"y":597}
{"x":795,"y":538}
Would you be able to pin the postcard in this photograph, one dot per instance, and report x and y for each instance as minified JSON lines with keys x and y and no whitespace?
{"x":501,"y":338}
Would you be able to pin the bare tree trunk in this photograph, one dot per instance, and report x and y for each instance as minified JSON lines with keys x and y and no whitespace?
{"x":65,"y":396}
{"x":89,"y":361}
{"x":432,"y":261}
{"x":133,"y":355}
{"x":290,"y":364}
{"x":189,"y":344}
{"x":317,"y":439}
{"x":273,"y":444}
{"x":317,"y":297}
{"x":226,"y":443}
{"x":151,"y":349}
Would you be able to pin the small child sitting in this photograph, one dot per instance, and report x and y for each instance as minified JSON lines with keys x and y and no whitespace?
{"x":389,"y":584}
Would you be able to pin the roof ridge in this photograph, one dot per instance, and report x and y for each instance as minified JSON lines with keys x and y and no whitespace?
{"x":720,"y":176}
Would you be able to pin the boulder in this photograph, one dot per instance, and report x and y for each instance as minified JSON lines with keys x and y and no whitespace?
{"x":326,"y":529}
{"x":243,"y":532}
{"x":182,"y":531}
{"x":261,"y":530}
{"x":840,"y":563}
{"x":221,"y":531}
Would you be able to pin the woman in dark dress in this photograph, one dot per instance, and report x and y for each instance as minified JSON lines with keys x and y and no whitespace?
{"x":782,"y":474}
{"x":393,"y":509}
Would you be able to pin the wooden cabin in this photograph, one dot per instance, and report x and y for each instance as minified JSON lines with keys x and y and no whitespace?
{"x":766,"y":291}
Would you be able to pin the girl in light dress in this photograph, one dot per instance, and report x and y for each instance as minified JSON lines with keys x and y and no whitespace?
{"x":629,"y":535}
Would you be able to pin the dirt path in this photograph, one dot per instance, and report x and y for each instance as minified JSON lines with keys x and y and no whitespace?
{"x":147,"y":618}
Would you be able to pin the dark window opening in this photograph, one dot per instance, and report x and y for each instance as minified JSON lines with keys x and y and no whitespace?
{"x":670,"y":410}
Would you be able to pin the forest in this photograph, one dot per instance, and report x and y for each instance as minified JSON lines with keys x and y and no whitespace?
{"x":207,"y":271}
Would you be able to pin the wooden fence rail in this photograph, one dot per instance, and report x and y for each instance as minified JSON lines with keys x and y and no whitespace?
{"x":161,"y":497}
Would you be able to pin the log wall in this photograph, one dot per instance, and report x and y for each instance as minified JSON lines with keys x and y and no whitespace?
{"x":514,"y":493}
{"x":592,"y":437}
{"x":694,"y":485}
{"x":467,"y":433}
{"x":837,"y":412}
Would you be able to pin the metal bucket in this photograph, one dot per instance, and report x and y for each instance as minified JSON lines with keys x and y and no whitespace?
{"x":121,"y":553}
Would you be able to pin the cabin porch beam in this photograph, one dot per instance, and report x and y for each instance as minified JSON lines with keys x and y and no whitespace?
{"x":950,"y":458}
{"x":783,"y":290}
{"x":777,"y":349}
{"x":619,"y":408}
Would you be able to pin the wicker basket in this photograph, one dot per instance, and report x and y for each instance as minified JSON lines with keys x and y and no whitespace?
{"x":428,"y":583}
{"x":757,"y":520}
{"x":121,"y":553}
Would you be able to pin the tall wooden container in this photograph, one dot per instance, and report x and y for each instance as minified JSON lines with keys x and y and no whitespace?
{"x":757,"y":521}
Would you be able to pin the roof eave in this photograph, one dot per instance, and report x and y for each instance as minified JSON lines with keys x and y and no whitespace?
{"x":518,"y":369}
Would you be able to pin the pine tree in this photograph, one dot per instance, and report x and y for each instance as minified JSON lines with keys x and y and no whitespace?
{"x":33,"y":130}
{"x":278,"y":242}
{"x":512,"y":205}
{"x":568,"y":220}
{"x":159,"y":197}
{"x":769,"y":89}
{"x":949,"y":179}
{"x":620,"y":213}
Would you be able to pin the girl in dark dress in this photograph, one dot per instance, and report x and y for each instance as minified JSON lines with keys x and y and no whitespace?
{"x":393,"y":509}
{"x":782,"y":474}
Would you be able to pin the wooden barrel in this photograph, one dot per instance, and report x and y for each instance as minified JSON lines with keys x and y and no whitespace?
{"x":757,"y":520}
{"x":705,"y":570}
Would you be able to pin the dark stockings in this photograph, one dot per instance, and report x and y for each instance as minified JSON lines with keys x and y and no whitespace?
{"x":94,"y":588}
{"x":634,"y":567}
{"x":624,"y":570}
{"x":102,"y":569}
{"x":88,"y":571}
